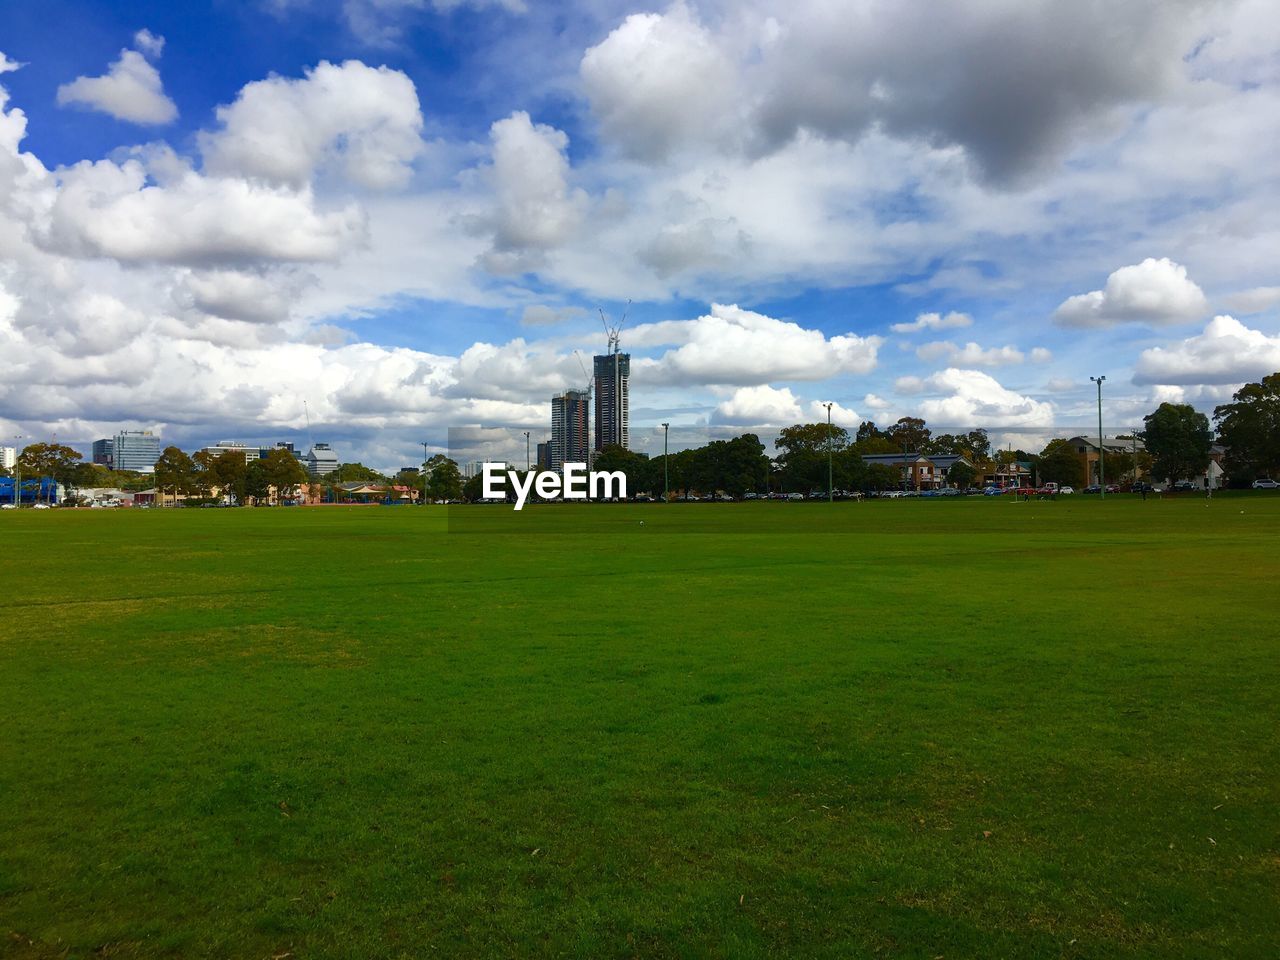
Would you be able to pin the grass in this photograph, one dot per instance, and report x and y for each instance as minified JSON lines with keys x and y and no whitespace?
{"x":901,"y":729}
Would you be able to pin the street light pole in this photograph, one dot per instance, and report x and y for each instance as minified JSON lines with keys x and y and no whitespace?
{"x":17,"y":473}
{"x":424,"y":473}
{"x":666,"y":485}
{"x":1102,"y":470}
{"x":830,"y":492}
{"x":527,"y":465}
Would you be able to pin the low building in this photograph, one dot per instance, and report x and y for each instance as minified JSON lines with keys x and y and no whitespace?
{"x":916,"y":470}
{"x":1086,"y":448}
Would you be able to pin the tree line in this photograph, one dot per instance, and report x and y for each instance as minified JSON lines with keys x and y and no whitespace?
{"x":1177,"y":440}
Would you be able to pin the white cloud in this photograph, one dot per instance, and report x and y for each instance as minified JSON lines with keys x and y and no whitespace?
{"x":1253,"y":301}
{"x":108,"y":210}
{"x":146,"y":42}
{"x":1153,"y":291}
{"x":361,"y":121}
{"x":971,"y":397}
{"x":536,"y":211}
{"x":131,"y":90}
{"x":735,"y":346}
{"x":934,"y":321}
{"x":1226,"y":352}
{"x":1061,"y":385}
{"x":876,"y":403}
{"x":7,"y":65}
{"x":659,"y":82}
{"x":765,"y":406}
{"x":380,"y":23}
{"x":909,"y":385}
{"x":972,"y":354}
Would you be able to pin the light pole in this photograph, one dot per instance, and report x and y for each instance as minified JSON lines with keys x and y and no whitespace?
{"x":830,"y":493}
{"x":666,"y":486}
{"x":17,"y":473}
{"x":1102,"y":471}
{"x":424,"y":472}
{"x":527,"y":465}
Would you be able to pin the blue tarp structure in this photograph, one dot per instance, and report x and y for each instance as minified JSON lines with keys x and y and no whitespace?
{"x":42,"y":490}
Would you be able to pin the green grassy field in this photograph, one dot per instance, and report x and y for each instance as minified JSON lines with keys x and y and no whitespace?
{"x":901,"y":729}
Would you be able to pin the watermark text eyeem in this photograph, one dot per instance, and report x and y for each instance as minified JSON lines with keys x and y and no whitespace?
{"x":574,"y":482}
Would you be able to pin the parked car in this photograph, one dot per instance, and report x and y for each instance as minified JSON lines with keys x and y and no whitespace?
{"x":1183,"y":486}
{"x":1265,"y":483}
{"x":1093,"y":488}
{"x":8,"y":506}
{"x":795,"y":496}
{"x":1141,"y":485}
{"x":1066,"y":490}
{"x":41,"y":506}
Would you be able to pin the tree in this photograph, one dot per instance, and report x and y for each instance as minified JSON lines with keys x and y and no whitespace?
{"x":1059,"y":463}
{"x":867,"y":430}
{"x":881,"y":476}
{"x":1178,"y":439}
{"x":354,"y":472}
{"x":804,"y":451}
{"x":961,"y":475}
{"x":1249,"y":427}
{"x":631,"y":464}
{"x":443,"y":480}
{"x":283,"y":472}
{"x":257,"y":483}
{"x":229,"y":473}
{"x":909,"y":435}
{"x":49,"y":460}
{"x":175,"y":472}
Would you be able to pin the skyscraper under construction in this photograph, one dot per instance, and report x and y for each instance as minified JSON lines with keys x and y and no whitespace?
{"x":613,"y":413}
{"x":568,"y":428}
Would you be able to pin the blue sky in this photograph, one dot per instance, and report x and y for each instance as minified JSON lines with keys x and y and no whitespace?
{"x":407,"y":213}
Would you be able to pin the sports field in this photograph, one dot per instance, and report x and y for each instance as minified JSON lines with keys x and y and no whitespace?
{"x":927,"y":729}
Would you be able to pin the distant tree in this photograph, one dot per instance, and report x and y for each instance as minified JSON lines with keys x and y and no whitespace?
{"x":883,"y":477}
{"x":1178,"y":439}
{"x":230,"y":472}
{"x":634,"y":466}
{"x":961,"y":475}
{"x":49,"y":460}
{"x":283,"y":472}
{"x":175,"y":472}
{"x":910,"y":435}
{"x":1059,"y":463}
{"x":443,"y":480}
{"x":803,"y":451}
{"x":355,"y":473}
{"x":867,"y":430}
{"x":257,"y":482}
{"x":1249,"y":427}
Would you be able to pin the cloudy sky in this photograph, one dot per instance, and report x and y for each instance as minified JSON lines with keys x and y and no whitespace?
{"x":406,"y":213}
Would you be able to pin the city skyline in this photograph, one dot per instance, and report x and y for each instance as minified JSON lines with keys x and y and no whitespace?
{"x":232,"y":221}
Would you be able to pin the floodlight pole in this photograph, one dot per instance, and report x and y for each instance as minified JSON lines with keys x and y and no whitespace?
{"x":527,"y":465}
{"x":17,"y":474}
{"x":830,"y":492}
{"x":666,"y":485}
{"x":424,"y":473}
{"x":1102,"y":471}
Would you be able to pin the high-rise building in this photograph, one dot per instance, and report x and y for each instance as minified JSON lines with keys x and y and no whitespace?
{"x":104,"y":453}
{"x":568,"y":428}
{"x":613,"y":409}
{"x":8,"y":457}
{"x":320,"y":460}
{"x":135,"y":450}
{"x":544,"y":455}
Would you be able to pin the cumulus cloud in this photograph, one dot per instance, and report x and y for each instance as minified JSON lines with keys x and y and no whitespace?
{"x":934,"y":321}
{"x":974,"y":355}
{"x":536,"y":209}
{"x":659,"y":82}
{"x":106,"y":209}
{"x":130,"y":90}
{"x":148,"y":43}
{"x":7,"y":65}
{"x":971,"y":396}
{"x":765,"y":406}
{"x":735,"y":346}
{"x":1226,"y":352}
{"x":1153,"y":291}
{"x":363,"y":122}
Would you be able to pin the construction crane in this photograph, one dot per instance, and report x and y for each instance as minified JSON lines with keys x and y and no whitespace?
{"x":613,"y":333}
